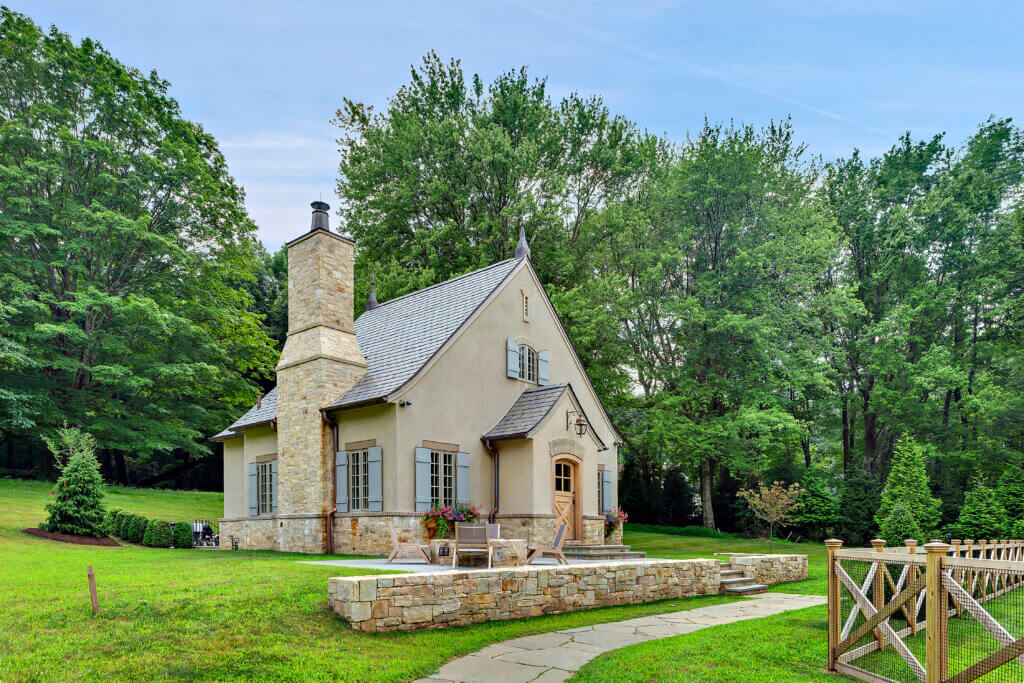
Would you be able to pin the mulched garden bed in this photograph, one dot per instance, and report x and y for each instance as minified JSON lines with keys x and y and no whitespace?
{"x":70,"y":538}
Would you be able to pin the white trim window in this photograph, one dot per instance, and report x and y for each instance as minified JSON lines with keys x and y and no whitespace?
{"x":359,"y":480}
{"x":265,"y":488}
{"x":442,"y":478}
{"x":527,"y":364}
{"x":600,"y":491}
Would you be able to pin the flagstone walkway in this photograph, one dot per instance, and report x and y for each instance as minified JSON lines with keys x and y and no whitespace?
{"x":557,"y":655}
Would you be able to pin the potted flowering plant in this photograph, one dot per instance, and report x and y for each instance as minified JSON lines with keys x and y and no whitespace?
{"x":440,"y":521}
{"x":614,"y":519}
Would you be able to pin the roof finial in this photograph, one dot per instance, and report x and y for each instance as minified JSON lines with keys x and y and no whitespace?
{"x":371,"y":302}
{"x":522,"y":248}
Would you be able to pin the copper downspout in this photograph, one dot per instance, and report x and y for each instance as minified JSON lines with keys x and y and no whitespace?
{"x":494,"y":452}
{"x":329,"y":516}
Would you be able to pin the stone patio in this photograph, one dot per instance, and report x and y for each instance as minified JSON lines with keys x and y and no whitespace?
{"x":557,"y":655}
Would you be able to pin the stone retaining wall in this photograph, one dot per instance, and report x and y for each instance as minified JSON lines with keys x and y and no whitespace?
{"x":437,"y":600}
{"x":772,"y":569}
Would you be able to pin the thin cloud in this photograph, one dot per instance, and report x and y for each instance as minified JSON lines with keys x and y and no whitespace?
{"x":688,"y":66}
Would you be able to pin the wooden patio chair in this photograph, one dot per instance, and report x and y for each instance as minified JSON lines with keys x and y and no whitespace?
{"x":406,"y":547}
{"x":471,"y":539}
{"x":534,"y":552}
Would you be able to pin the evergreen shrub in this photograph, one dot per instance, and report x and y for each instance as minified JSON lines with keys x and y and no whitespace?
{"x":907,"y":483}
{"x":159,"y":534}
{"x":859,"y":498}
{"x":982,"y":516}
{"x":77,"y":507}
{"x":183,"y":535}
{"x":112,"y":521}
{"x":135,"y":528}
{"x":900,"y":525}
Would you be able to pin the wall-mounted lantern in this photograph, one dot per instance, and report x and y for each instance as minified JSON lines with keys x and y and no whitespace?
{"x":576,"y":421}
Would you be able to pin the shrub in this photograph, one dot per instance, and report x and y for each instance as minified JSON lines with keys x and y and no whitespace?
{"x":183,"y":535}
{"x":859,"y":498}
{"x":1018,"y":530}
{"x":899,"y":525}
{"x":135,"y":528}
{"x":981,"y":516}
{"x":1010,"y":492}
{"x":819,"y":506}
{"x":907,"y":483}
{"x":78,"y":505}
{"x":112,"y":521}
{"x":124,"y":521}
{"x":159,"y":534}
{"x":695,"y":531}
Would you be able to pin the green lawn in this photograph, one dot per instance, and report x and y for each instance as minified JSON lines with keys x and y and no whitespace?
{"x":191,"y":614}
{"x":786,"y":647}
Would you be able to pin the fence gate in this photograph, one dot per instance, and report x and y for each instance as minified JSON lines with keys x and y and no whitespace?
{"x":932,"y":614}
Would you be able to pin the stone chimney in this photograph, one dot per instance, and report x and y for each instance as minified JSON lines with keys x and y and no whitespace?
{"x":320,"y":361}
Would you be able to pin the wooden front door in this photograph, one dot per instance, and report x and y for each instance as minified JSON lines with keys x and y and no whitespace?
{"x":566,"y":487}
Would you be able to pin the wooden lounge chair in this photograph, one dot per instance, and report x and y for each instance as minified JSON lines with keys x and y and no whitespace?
{"x":534,"y":552}
{"x":406,"y":547}
{"x":471,"y":539}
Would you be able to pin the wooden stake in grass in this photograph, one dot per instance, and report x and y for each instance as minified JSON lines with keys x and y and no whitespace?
{"x":92,"y":591}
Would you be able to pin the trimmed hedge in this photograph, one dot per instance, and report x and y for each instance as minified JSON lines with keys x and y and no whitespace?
{"x":112,"y":521}
{"x":158,"y":534}
{"x":183,"y":535}
{"x":134,"y":528}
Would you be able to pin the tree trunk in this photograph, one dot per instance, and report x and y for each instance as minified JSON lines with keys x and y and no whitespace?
{"x":806,"y":445}
{"x":706,"y":479}
{"x":846,"y":435}
{"x":120,"y":468}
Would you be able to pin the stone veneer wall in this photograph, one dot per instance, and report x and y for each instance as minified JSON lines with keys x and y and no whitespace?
{"x":369,"y":535}
{"x":437,"y":600}
{"x":772,"y":569}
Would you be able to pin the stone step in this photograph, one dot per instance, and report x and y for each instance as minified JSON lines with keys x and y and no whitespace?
{"x":736,"y":581}
{"x":730,"y":573}
{"x":725,"y":564}
{"x":583,"y":547}
{"x":750,"y":589}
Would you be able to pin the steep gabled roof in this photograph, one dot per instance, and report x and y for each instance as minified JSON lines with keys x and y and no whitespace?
{"x":530,"y":410}
{"x":263,"y":412}
{"x":398,"y":337}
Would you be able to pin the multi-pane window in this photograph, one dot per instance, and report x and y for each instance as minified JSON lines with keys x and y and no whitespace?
{"x":265,"y":488}
{"x":442,"y":478}
{"x":527,"y":364}
{"x":600,"y":490}
{"x":359,"y":480}
{"x":563,"y":477}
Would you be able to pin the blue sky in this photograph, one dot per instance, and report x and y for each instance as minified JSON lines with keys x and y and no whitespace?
{"x":266,"y":77}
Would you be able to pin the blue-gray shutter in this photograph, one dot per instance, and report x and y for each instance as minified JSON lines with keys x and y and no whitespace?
{"x":511,"y":358}
{"x":254,"y":492}
{"x":422,"y":479}
{"x":374,"y":471}
{"x":542,"y":368}
{"x":462,"y":478}
{"x":607,"y":483}
{"x":273,"y":486}
{"x":341,"y":480}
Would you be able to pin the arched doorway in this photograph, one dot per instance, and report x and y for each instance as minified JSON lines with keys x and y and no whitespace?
{"x":566,"y":494}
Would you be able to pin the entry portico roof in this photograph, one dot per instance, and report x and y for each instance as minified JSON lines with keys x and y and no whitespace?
{"x":530,"y":411}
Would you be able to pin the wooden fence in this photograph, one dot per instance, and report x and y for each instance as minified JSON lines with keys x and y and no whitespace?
{"x":951,"y":582}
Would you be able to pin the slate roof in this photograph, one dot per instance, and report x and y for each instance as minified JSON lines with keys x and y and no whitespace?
{"x":399,"y":336}
{"x":530,"y":410}
{"x":264,"y":411}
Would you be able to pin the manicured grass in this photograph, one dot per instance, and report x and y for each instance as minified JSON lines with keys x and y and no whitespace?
{"x":785,"y":647}
{"x":202,"y":614}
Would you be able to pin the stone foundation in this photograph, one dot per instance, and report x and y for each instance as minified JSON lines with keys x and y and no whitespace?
{"x":369,"y":535}
{"x":615,"y":537}
{"x":437,"y":600}
{"x":772,"y":569}
{"x":254,"y":533}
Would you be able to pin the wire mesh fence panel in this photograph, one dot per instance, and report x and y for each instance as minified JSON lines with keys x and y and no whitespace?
{"x":950,"y":613}
{"x":985,"y":626}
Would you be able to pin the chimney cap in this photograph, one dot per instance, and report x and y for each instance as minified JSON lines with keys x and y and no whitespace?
{"x":320,"y":218}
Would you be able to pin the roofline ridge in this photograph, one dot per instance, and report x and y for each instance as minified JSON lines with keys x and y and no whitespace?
{"x":438,"y":284}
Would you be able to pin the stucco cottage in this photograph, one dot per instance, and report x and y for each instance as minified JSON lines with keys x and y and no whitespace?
{"x":464,"y":392}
